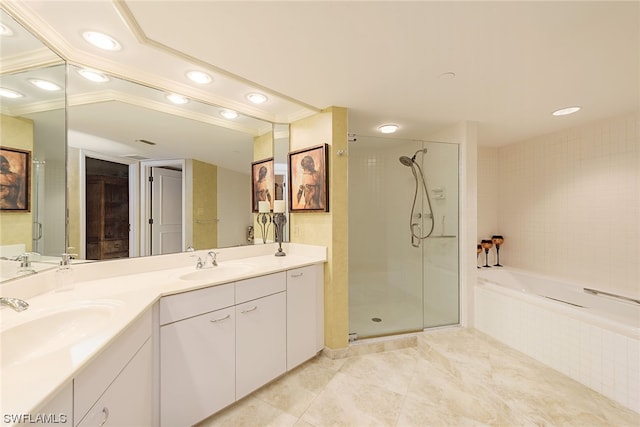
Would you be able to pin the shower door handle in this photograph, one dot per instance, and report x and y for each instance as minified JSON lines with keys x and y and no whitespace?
{"x":415,"y":241}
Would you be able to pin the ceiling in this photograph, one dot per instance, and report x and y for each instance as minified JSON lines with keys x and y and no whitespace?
{"x":423,"y":65}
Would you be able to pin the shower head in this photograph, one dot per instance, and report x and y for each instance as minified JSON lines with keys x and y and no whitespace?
{"x":409,"y":161}
{"x":406,"y":161}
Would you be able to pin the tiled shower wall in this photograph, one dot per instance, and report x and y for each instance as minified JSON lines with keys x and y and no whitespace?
{"x":568,"y":203}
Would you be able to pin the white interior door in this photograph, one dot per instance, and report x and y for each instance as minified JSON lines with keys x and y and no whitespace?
{"x":166,"y":211}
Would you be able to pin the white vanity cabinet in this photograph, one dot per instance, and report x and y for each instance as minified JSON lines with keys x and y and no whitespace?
{"x":128,"y":400}
{"x":220,"y":343}
{"x":116,"y":388}
{"x":59,"y":410}
{"x":197,"y":354}
{"x":305,"y":314}
{"x":261,"y":324}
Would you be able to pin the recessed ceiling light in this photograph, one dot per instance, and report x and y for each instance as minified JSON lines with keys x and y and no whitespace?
{"x":101,"y":40}
{"x":8,"y":93}
{"x":5,"y":31}
{"x":177,"y":99}
{"x":566,"y":111}
{"x":45,"y":85}
{"x":93,"y":76}
{"x":199,"y":77}
{"x":257,"y":98}
{"x":388,"y":128}
{"x":228,"y":114}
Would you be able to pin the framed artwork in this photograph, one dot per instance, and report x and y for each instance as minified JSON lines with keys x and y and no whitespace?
{"x":262,"y":183}
{"x":15,"y":179}
{"x":309,"y":178}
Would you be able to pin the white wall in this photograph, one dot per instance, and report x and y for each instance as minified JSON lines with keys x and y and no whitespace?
{"x":487,"y":193}
{"x":569,"y":204}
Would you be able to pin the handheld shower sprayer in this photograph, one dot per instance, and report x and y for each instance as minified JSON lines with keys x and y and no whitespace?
{"x":411,"y":162}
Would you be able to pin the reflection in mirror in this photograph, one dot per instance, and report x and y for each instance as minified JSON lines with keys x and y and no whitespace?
{"x":280,"y":156}
{"x":32,"y":78}
{"x":147,"y":176}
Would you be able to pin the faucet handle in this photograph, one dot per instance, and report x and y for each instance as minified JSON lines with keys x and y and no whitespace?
{"x":199,"y":264}
{"x":65,"y":262}
{"x":24,"y":258}
{"x":214,"y":255}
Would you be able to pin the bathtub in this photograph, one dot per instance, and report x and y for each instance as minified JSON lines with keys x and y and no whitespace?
{"x":592,"y":337}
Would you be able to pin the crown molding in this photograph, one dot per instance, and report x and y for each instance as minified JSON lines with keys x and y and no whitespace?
{"x":37,"y":58}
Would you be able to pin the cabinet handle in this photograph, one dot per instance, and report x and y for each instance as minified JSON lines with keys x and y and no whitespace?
{"x":255,"y":307}
{"x":297,"y":275}
{"x":105,"y":417}
{"x":221,"y":319}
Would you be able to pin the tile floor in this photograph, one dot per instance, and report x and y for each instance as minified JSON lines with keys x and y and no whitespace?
{"x":453,"y":377}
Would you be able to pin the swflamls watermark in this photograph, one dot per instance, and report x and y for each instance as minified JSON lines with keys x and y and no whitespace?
{"x":47,"y":418}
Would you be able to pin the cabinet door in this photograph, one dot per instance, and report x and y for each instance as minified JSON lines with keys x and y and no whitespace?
{"x":59,"y":410}
{"x":197,"y":366}
{"x":302,"y":315}
{"x":128,"y":400}
{"x":260,"y":342}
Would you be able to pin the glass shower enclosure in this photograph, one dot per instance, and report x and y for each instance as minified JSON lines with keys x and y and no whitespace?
{"x":403,"y":241}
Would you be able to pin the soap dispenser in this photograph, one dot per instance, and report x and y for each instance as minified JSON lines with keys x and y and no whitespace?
{"x":64,"y":274}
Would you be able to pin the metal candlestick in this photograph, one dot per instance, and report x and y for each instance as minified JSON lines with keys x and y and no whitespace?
{"x":280,"y":220}
{"x":264,"y":221}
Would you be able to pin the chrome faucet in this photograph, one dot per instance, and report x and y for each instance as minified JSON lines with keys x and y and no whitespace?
{"x":214,"y":258}
{"x":14,"y":303}
{"x":211,"y":255}
{"x":25,"y":263}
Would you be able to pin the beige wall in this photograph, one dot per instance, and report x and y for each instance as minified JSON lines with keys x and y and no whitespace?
{"x":205,"y":204}
{"x":328,"y":229}
{"x":568,"y":204}
{"x":16,"y":132}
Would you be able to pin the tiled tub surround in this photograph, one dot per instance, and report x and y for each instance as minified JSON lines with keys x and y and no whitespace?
{"x":134,"y":285}
{"x":597,"y":344}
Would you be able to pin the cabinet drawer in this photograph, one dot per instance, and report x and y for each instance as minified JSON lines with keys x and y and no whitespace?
{"x":89,"y":385}
{"x":110,"y":246}
{"x":258,"y":287}
{"x":189,"y":304}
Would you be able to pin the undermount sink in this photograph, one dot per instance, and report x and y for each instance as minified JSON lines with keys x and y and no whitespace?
{"x":214,"y":273}
{"x":52,"y":330}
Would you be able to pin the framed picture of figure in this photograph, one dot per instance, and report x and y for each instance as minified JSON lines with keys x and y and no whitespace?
{"x":309,"y":179}
{"x":15,"y":179}
{"x":262,"y":183}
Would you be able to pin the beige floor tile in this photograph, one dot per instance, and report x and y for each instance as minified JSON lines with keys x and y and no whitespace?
{"x":392,"y":370}
{"x":349,"y":402}
{"x":453,"y":377}
{"x":294,"y":392}
{"x":250,"y":412}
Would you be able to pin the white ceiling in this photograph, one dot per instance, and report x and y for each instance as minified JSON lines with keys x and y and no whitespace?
{"x":514,"y":62}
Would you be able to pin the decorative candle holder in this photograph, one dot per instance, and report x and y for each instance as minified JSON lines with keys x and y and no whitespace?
{"x":497,"y":240}
{"x":264,"y":219}
{"x":279,"y":220}
{"x":478,"y":256}
{"x":486,"y":244}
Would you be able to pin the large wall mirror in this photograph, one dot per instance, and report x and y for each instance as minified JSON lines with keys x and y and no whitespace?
{"x":144,"y":175}
{"x":33,"y":134}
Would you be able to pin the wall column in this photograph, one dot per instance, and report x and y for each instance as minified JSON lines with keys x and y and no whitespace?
{"x":328,"y":229}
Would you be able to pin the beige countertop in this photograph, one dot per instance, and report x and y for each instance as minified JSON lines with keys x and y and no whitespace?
{"x":118,"y":294}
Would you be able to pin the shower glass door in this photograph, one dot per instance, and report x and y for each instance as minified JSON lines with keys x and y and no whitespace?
{"x":398,"y":282}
